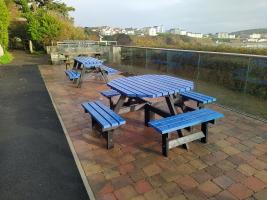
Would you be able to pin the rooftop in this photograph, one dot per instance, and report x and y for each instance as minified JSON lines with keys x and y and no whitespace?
{"x":233,"y":165}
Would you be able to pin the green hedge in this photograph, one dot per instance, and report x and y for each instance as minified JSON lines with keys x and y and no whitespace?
{"x":4,"y":22}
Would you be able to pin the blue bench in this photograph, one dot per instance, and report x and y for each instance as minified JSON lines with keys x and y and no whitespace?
{"x":183,"y":121}
{"x":201,"y":99}
{"x":72,"y":74}
{"x":109,"y":94}
{"x":106,"y":119}
{"x":109,"y":70}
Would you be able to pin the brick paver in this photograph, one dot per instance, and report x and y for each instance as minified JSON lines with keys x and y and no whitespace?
{"x":233,"y":165}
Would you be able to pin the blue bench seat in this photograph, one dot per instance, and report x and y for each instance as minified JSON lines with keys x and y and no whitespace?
{"x":72,"y":74}
{"x":109,"y":94}
{"x":198,"y":97}
{"x":105,"y":118}
{"x":183,"y":121}
{"x":109,"y":70}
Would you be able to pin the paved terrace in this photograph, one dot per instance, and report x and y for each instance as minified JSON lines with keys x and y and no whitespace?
{"x":232,"y":166}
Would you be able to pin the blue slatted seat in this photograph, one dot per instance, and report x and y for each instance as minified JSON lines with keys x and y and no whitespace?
{"x":109,"y":94}
{"x":183,"y":121}
{"x":201,"y":99}
{"x":105,"y":118}
{"x":72,"y":74}
{"x":109,"y":70}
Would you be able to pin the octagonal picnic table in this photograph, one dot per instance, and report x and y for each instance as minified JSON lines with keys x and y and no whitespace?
{"x":136,"y":88}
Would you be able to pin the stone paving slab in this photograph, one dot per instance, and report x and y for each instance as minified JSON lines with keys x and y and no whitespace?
{"x":233,"y":165}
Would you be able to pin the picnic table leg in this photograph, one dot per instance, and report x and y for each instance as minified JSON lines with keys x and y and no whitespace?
{"x":109,"y":137}
{"x":80,"y":80}
{"x":179,"y":101}
{"x":204,"y":129}
{"x":165,"y":144}
{"x":119,"y":103}
{"x":170,"y":103}
{"x":74,"y":64}
{"x":104,"y":75}
{"x":148,"y":115}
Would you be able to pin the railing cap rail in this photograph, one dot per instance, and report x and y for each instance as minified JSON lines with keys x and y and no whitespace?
{"x":200,"y":52}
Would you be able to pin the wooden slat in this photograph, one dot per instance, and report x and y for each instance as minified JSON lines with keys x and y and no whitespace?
{"x":131,"y":90}
{"x":179,"y":117}
{"x":110,"y":93}
{"x":104,"y":114}
{"x":171,"y":80}
{"x":151,"y":86}
{"x":186,"y":139}
{"x":109,"y":70}
{"x":138,"y":90}
{"x":179,"y":86}
{"x":115,"y":116}
{"x":164,"y":89}
{"x":122,"y":90}
{"x":198,"y":97}
{"x":72,"y":74}
{"x":103,"y":122}
{"x":142,"y":88}
{"x":190,"y":121}
{"x":184,"y":120}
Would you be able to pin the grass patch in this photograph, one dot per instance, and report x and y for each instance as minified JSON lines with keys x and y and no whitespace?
{"x":6,"y":58}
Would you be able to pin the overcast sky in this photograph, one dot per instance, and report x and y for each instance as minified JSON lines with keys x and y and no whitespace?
{"x":203,"y":16}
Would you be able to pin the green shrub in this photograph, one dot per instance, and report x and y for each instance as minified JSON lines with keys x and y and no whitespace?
{"x":42,"y":27}
{"x":6,"y":58}
{"x":4,"y":23}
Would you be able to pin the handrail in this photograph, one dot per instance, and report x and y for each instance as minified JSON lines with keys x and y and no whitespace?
{"x":200,"y":52}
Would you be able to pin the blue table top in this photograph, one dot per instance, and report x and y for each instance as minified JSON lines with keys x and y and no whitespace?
{"x":150,"y":86}
{"x":88,"y":62}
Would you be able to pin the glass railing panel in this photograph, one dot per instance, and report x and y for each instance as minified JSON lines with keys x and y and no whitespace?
{"x":223,"y":77}
{"x":182,"y":64}
{"x":237,"y":81}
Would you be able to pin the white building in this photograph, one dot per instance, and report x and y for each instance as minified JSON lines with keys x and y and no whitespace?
{"x":151,"y":31}
{"x":223,"y":35}
{"x":106,"y":31}
{"x":183,"y":32}
{"x":231,"y":36}
{"x":195,"y":35}
{"x":159,"y":29}
{"x":255,"y":36}
{"x":129,"y":31}
{"x":175,"y":31}
{"x":253,"y":40}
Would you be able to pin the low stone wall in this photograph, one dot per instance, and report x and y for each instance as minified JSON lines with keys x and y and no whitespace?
{"x":58,"y":54}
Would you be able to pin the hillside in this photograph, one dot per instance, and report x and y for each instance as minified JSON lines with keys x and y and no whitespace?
{"x":251,"y":31}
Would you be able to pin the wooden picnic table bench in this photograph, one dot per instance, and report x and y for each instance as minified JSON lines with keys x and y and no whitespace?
{"x":199,"y":98}
{"x":107,"y":120}
{"x":134,"y":89}
{"x":179,"y":122}
{"x":134,"y":94}
{"x":83,"y":65}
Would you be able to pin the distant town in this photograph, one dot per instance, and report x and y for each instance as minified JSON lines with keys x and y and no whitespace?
{"x":157,"y":30}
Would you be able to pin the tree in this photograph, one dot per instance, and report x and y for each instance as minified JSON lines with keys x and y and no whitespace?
{"x":4,"y":23}
{"x":42,"y":27}
{"x":121,"y":38}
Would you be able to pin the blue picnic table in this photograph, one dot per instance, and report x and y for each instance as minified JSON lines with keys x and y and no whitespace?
{"x":134,"y":91}
{"x":90,"y":64}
